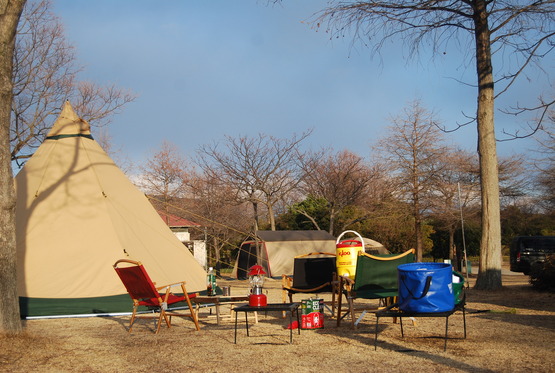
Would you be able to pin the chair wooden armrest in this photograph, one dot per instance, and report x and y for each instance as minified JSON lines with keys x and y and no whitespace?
{"x":377,"y":257}
{"x":311,"y":290}
{"x":286,"y":281}
{"x":182,"y":283}
{"x":168,"y":290}
{"x":288,"y":289}
{"x":345,"y":283}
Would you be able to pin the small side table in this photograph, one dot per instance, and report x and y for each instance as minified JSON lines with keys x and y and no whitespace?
{"x":217,"y":300}
{"x":281,"y":307}
{"x":389,"y":312}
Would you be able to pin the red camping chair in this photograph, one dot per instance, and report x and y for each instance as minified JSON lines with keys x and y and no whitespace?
{"x":144,"y":293}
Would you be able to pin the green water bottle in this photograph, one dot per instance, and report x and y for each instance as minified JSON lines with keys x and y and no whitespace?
{"x":211,"y":282}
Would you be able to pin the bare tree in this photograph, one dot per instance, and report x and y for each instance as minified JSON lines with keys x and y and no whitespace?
{"x":10,"y":323}
{"x":413,"y":149}
{"x":339,"y":178}
{"x":45,"y":76}
{"x":545,"y":164}
{"x":117,"y":153}
{"x":224,"y":219}
{"x":165,"y":175}
{"x":261,"y":170}
{"x":521,"y":30}
{"x":514,"y":180}
{"x":176,"y":188}
{"x":457,"y":188}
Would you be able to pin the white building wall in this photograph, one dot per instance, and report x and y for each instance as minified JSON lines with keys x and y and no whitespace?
{"x":183,"y":236}
{"x":199,"y":247}
{"x":199,"y":252}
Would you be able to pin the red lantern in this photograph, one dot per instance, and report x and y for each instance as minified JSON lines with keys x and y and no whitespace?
{"x":256,"y":279}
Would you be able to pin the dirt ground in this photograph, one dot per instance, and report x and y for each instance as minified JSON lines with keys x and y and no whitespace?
{"x":512,"y":330}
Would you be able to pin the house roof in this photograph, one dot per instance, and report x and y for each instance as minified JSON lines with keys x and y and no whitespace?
{"x":176,"y":221}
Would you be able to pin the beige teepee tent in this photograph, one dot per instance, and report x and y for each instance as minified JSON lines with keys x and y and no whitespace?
{"x":77,"y":213}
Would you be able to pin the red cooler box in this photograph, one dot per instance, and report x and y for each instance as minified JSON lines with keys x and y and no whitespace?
{"x":312,"y":314}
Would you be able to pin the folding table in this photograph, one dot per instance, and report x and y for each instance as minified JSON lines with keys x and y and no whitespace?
{"x":281,"y":307}
{"x":218,"y":300}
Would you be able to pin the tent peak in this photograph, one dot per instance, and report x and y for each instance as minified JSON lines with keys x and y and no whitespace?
{"x":69,"y":123}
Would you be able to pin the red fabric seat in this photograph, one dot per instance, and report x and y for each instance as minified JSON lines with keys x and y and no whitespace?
{"x":153,"y":302}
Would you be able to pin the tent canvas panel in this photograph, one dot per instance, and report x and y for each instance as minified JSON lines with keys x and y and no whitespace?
{"x":38,"y":307}
{"x":247,"y":257}
{"x":77,"y":213}
{"x":281,"y":254}
{"x":278,"y":249}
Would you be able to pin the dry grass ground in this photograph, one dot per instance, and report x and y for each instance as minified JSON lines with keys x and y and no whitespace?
{"x":508,"y":331}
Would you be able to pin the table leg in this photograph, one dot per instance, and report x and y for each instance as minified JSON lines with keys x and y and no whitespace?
{"x":291,"y":326}
{"x":376,"y":334}
{"x":298,"y":322}
{"x":231,"y":305}
{"x":446,"y":328}
{"x":464,"y":321}
{"x":247,"y":323}
{"x":218,"y":313}
{"x":236,"y":313}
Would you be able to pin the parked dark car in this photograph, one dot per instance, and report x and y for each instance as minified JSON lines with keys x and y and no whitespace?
{"x":529,"y":250}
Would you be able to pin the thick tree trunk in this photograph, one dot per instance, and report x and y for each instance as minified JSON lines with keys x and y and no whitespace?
{"x":218,"y":264}
{"x":489,"y":276}
{"x":10,"y":323}
{"x":255,"y":215}
{"x":332,"y":221}
{"x":418,"y":230}
{"x":271,"y":216}
{"x":419,"y":240}
{"x":453,"y":254}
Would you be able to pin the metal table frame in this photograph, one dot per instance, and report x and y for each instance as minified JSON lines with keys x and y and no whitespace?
{"x":281,"y":307}
{"x":389,"y":312}
{"x":216,"y":301}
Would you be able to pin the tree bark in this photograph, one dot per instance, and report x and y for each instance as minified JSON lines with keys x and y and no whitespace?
{"x":218,"y":264}
{"x":255,"y":215}
{"x":453,"y":250}
{"x":271,"y":216}
{"x":489,"y":276}
{"x":332,"y":220}
{"x":418,"y":228}
{"x":10,"y":323}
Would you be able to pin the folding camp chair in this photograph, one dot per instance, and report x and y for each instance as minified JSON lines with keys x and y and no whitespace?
{"x":144,"y":293}
{"x":313,"y":273}
{"x":375,"y":278}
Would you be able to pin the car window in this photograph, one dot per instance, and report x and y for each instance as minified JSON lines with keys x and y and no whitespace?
{"x":538,"y":243}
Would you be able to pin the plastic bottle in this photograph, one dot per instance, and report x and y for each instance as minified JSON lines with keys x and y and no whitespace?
{"x":211,"y":282}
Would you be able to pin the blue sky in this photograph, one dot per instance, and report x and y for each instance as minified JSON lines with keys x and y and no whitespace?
{"x":203,"y":69}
